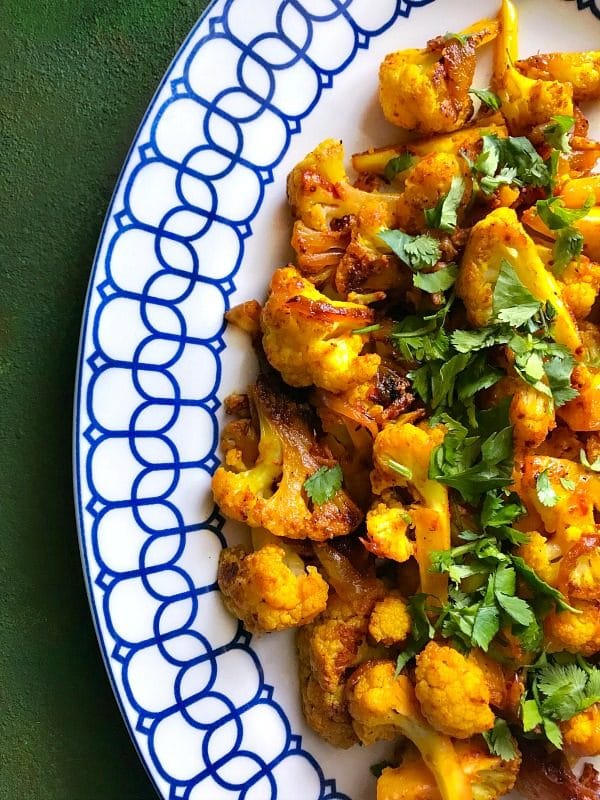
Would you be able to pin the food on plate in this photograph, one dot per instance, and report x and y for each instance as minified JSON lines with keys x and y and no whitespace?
{"x":419,"y":458}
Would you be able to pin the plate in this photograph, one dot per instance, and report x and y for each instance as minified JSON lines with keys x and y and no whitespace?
{"x":197,"y":223}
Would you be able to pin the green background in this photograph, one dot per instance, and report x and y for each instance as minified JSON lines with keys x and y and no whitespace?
{"x":75,"y":79}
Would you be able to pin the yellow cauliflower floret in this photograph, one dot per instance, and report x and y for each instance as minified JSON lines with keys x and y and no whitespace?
{"x":387,"y":531}
{"x":267,"y":491}
{"x":390,"y":622}
{"x":428,"y":90}
{"x":580,"y":571}
{"x":309,"y":339}
{"x":531,"y":412}
{"x":489,"y":776}
{"x":378,"y":698}
{"x":574,"y":632}
{"x":526,"y":102}
{"x":580,"y":70}
{"x":500,"y":237}
{"x":270,"y":589}
{"x":581,"y":733}
{"x":582,"y":413}
{"x":452,"y":692}
{"x":542,"y":555}
{"x":401,"y":456}
{"x":426,"y":183}
{"x":580,"y":297}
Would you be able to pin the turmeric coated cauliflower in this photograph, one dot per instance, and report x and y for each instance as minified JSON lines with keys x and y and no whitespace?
{"x":452,"y":692}
{"x":580,"y":70}
{"x":581,"y":733}
{"x":489,"y":776}
{"x":380,"y":699}
{"x":390,"y":621}
{"x":309,"y":338}
{"x":526,"y":102}
{"x":270,"y":589}
{"x":401,"y":455}
{"x":500,"y":237}
{"x":574,"y":632}
{"x":269,"y":493}
{"x":582,"y":413}
{"x":428,"y":90}
{"x":531,"y":412}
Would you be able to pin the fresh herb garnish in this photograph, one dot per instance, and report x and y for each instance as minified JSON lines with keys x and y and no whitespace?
{"x":462,"y":38}
{"x":594,"y":467}
{"x":513,"y":160}
{"x":568,"y":247}
{"x":545,"y":491}
{"x":487,"y":97}
{"x":556,"y":132}
{"x":418,"y":252}
{"x":324,"y":484}
{"x":500,"y":741}
{"x":443,"y":216}
{"x":367,"y":329}
{"x":398,"y":164}
{"x":556,"y":215}
{"x":435,"y":282}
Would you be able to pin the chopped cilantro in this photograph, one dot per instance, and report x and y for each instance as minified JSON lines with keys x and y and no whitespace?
{"x":367,"y":329}
{"x":443,"y":216}
{"x":509,"y":160}
{"x":396,"y":466}
{"x":567,"y":484}
{"x":500,"y":741}
{"x":545,"y":491}
{"x":324,"y":484}
{"x":439,"y":281}
{"x":397,"y":165}
{"x":513,"y":303}
{"x":595,"y":467}
{"x":556,"y":215}
{"x":462,"y":38}
{"x":568,"y":246}
{"x":487,"y":97}
{"x":556,"y":132}
{"x":418,"y":252}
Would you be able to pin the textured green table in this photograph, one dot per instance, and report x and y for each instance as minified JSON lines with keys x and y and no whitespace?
{"x":75,"y":79}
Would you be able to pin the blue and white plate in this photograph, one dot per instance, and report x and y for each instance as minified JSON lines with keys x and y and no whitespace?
{"x":197,"y":223}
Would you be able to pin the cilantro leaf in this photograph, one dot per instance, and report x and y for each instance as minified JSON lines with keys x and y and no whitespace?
{"x":556,"y":132}
{"x":487,"y":97}
{"x":394,"y":465}
{"x":514,"y":153}
{"x":500,"y":741}
{"x":462,"y":38}
{"x":466,"y":341}
{"x":558,"y":370}
{"x":324,"y":484}
{"x":556,"y":215}
{"x":485,"y":626}
{"x":544,"y":490}
{"x":512,"y":302}
{"x":595,"y":467}
{"x":439,"y":281}
{"x":418,"y":252}
{"x":567,"y":484}
{"x":568,"y":246}
{"x":530,"y":715}
{"x":540,"y":586}
{"x":397,"y":165}
{"x":367,"y":329}
{"x":443,"y":216}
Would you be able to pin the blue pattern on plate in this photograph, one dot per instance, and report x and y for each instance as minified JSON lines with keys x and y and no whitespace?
{"x":177,"y":240}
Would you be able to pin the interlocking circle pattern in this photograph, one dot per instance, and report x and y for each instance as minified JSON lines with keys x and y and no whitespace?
{"x":150,"y":369}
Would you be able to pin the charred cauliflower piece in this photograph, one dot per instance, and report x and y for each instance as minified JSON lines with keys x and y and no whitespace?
{"x":269,"y":493}
{"x":581,"y":733}
{"x":501,"y":237}
{"x":526,"y":102}
{"x":574,"y":632}
{"x":489,"y":776}
{"x":582,"y":413}
{"x":428,"y":90}
{"x":401,"y":455}
{"x":531,"y":413}
{"x":580,"y":70}
{"x":452,"y":691}
{"x":379,"y":699}
{"x":309,"y":338}
{"x":270,"y":589}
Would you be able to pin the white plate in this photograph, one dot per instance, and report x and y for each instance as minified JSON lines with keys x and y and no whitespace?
{"x":197,"y":223}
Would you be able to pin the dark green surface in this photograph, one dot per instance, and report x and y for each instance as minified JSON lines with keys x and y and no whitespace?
{"x":75,"y":79}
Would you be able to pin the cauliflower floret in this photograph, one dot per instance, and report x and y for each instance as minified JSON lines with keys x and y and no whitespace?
{"x":380,"y":699}
{"x":579,"y":575}
{"x":428,"y":90}
{"x":580,"y":70}
{"x":390,"y":621}
{"x":489,"y":776}
{"x":582,"y":413}
{"x":309,"y":338}
{"x":525,"y":102}
{"x":387,"y":531}
{"x":542,"y":555}
{"x":401,"y":456}
{"x":501,"y":237}
{"x":453,"y":692}
{"x":574,"y":632}
{"x":581,"y":733}
{"x":531,"y":412}
{"x":270,"y":492}
{"x":426,"y":183}
{"x":270,"y":589}
{"x":573,"y":510}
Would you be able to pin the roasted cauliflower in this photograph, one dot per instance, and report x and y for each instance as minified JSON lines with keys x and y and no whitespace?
{"x":452,"y":692}
{"x":574,"y":631}
{"x":390,"y":621}
{"x":428,"y":90}
{"x":269,"y":493}
{"x":581,"y":733}
{"x":580,"y":70}
{"x":310,"y":339}
{"x":489,"y":776}
{"x":383,"y":704}
{"x":270,"y":589}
